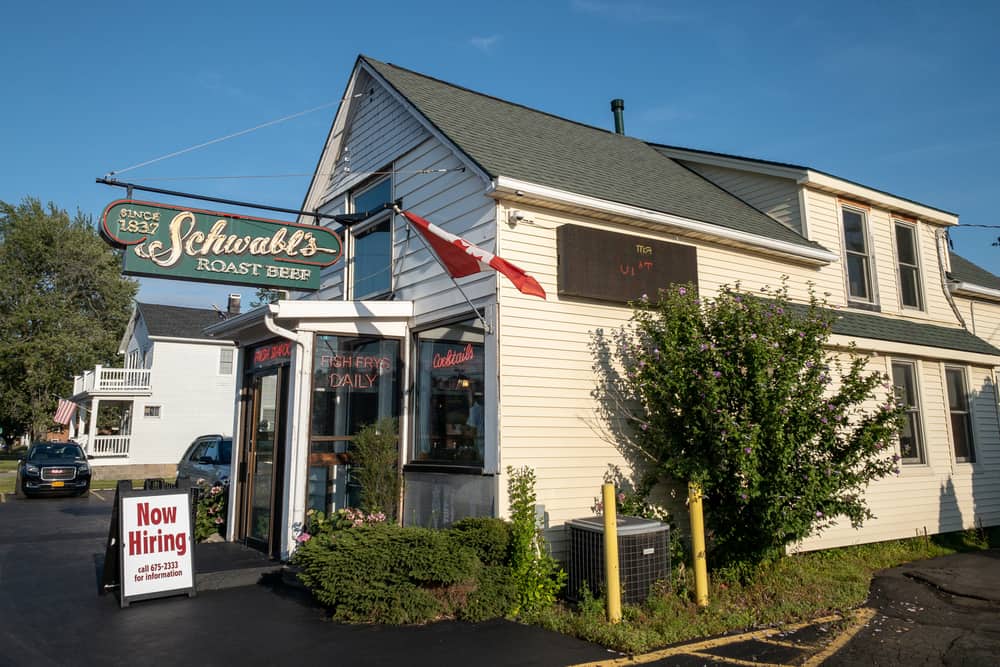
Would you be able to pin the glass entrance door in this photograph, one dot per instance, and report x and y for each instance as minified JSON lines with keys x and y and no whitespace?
{"x":264,"y":461}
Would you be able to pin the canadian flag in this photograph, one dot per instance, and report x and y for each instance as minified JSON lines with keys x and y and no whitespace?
{"x":462,"y":258}
{"x":64,"y":413}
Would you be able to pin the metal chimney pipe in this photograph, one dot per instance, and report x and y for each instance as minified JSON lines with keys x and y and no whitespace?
{"x":617,"y":107}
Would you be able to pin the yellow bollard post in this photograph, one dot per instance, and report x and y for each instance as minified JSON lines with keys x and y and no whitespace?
{"x":611,"y":577}
{"x":698,"y":544}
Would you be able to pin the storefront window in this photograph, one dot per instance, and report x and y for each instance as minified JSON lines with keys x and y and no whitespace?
{"x":449,"y":402}
{"x":355,"y":383}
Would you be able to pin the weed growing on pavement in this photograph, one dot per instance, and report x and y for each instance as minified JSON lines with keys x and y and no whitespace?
{"x":794,"y":588}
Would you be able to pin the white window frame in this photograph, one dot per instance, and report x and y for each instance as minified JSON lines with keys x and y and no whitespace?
{"x":146,"y":409}
{"x":915,"y":410}
{"x":868,"y":255}
{"x":963,"y":373}
{"x":359,"y":230}
{"x":231,"y":361}
{"x":921,"y":302}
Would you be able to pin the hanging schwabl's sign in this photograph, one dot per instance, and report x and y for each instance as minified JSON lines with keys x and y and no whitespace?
{"x":168,"y":241}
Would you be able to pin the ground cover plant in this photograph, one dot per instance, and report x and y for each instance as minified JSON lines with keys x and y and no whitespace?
{"x":787,"y":590}
{"x":741,"y":395}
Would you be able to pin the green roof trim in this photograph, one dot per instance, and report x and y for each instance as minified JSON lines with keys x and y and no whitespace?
{"x":965,"y":271}
{"x":507,"y":139}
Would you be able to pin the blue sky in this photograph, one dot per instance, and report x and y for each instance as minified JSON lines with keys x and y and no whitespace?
{"x":903,"y":97}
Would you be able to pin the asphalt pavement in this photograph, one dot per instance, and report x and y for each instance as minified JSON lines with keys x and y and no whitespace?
{"x":941,"y":611}
{"x":51,"y":553}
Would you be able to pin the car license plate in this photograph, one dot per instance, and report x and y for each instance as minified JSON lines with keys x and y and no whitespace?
{"x":58,"y":484}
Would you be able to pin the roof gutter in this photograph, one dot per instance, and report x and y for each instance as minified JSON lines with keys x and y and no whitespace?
{"x":839,"y":186}
{"x":959,"y":287}
{"x":503,"y":186}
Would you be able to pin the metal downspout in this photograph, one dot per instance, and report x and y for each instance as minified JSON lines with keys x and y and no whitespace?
{"x":939,"y":237}
{"x":292,"y":510}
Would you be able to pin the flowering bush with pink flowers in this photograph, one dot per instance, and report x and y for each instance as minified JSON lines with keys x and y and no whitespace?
{"x":211,"y":512}
{"x":741,"y":394}
{"x":320,"y":523}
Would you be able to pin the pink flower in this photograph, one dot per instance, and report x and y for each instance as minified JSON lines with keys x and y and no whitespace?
{"x":303,"y":537}
{"x":621,"y":497}
{"x":218,"y":520}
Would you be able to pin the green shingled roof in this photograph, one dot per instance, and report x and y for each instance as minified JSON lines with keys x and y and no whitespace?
{"x":865,"y":325}
{"x":965,"y":271}
{"x":177,"y":321}
{"x":510,"y":140}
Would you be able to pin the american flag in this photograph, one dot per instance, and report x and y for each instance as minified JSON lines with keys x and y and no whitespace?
{"x":64,"y":413}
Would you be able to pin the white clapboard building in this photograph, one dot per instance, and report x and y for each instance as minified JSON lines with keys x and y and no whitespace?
{"x":175,"y":384}
{"x":489,"y":377}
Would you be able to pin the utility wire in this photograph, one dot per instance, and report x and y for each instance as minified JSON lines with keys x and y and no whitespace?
{"x":303,"y":174}
{"x":220,"y":139}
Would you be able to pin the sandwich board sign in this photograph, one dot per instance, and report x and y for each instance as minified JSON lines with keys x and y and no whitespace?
{"x":153,"y":547}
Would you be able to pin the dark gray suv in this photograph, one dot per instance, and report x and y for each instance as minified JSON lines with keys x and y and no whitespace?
{"x":206,"y":462}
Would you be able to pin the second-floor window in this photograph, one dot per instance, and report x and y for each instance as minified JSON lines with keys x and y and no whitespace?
{"x":910,"y":294}
{"x":860,"y":285}
{"x":371,"y":243}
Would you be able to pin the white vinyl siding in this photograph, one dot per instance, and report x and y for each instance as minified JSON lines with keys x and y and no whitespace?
{"x":981,"y":317}
{"x":778,"y":197}
{"x":549,"y":420}
{"x":451,"y":199}
{"x":824,"y":223}
{"x":379,"y":130}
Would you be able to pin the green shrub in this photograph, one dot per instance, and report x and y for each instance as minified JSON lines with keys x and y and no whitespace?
{"x":488,"y":537}
{"x":537,"y":576}
{"x":388,"y":574}
{"x":742,"y":395}
{"x":376,"y":452}
{"x":495,"y":595}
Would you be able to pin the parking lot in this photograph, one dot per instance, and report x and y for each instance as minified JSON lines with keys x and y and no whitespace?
{"x":51,"y":552}
{"x":946,"y":610}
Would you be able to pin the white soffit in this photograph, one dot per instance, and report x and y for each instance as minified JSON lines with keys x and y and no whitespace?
{"x":510,"y":188}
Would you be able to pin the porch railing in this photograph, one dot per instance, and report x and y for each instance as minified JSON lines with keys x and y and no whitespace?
{"x":109,"y":445}
{"x":112,"y":381}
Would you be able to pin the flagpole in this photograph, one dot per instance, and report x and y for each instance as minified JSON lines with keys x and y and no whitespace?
{"x":486,"y":325}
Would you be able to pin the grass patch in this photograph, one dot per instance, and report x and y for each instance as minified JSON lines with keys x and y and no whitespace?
{"x":8,"y":466}
{"x":796,"y":588}
{"x":7,"y":484}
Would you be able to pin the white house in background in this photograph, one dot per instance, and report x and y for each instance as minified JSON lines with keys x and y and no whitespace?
{"x":176,"y":384}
